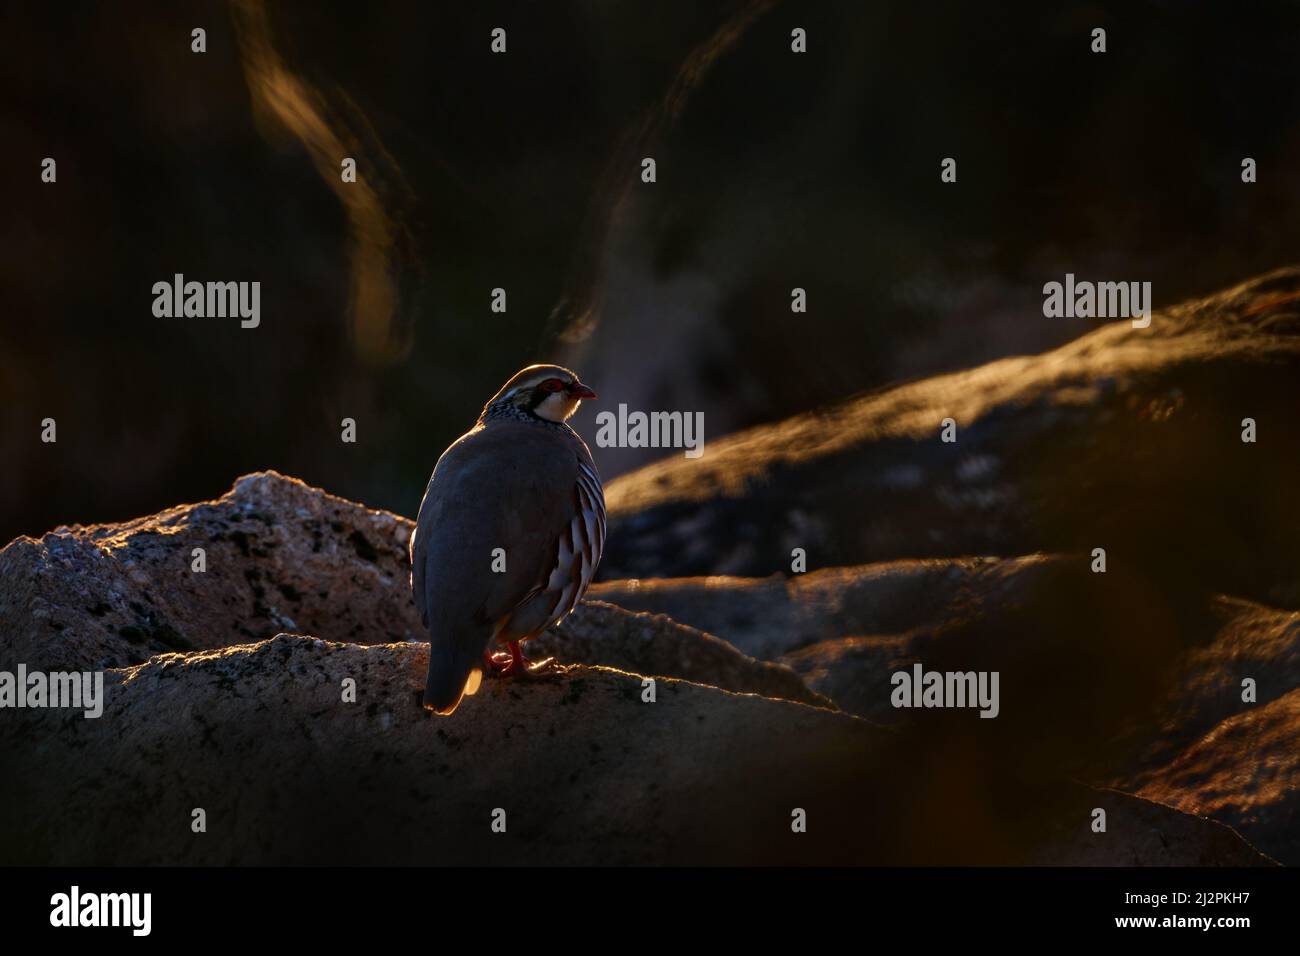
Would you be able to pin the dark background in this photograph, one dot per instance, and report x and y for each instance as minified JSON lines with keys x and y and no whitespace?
{"x":779,"y":170}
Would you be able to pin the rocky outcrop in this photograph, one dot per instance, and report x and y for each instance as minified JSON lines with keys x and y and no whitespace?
{"x":1127,"y":439}
{"x":1245,"y":643}
{"x":260,"y":738}
{"x":313,"y":748}
{"x":1164,"y":693}
{"x":771,"y":616}
{"x":276,"y":556}
{"x":1245,"y":773}
{"x":280,"y":556}
{"x":1111,"y":480}
{"x":1144,"y":833}
{"x":255,"y":754}
{"x":655,"y":644}
{"x":264,"y":658}
{"x":1215,"y":753}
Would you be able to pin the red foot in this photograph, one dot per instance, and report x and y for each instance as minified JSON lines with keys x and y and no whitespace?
{"x":496,"y":663}
{"x":517,"y":661}
{"x":513,"y":663}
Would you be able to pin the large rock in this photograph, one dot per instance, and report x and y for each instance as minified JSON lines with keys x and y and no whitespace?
{"x":1148,"y":704}
{"x":655,"y":644}
{"x":1127,"y":439}
{"x":260,"y":739}
{"x":768,"y":617}
{"x":1246,"y":640}
{"x":1149,"y":701}
{"x":1141,"y":832}
{"x":1245,"y":773}
{"x":265,"y":738}
{"x":280,"y":555}
{"x":1213,"y":753}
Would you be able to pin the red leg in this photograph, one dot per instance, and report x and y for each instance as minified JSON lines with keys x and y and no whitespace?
{"x":515,"y":664}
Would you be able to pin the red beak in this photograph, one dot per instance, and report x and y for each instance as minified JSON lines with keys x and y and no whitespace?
{"x":578,"y":390}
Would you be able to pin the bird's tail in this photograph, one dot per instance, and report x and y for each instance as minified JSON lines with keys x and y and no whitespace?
{"x":452,"y":675}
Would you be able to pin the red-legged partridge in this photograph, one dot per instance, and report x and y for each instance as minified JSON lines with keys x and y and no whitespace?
{"x":522,"y":481}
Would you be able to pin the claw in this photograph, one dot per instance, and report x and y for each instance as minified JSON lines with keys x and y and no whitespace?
{"x":514,"y":664}
{"x":546,"y":665}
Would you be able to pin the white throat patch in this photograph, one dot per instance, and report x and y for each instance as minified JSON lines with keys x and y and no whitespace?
{"x":557,"y":407}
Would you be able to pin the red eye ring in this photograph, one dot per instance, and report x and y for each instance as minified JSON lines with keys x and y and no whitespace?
{"x":552,"y":385}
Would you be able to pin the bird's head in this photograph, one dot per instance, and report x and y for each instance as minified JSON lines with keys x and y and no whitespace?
{"x":550,"y":392}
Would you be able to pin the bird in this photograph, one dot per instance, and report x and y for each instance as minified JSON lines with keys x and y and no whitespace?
{"x":508,"y":536}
